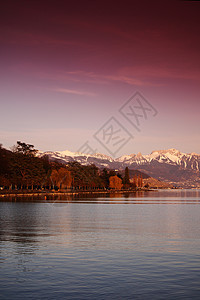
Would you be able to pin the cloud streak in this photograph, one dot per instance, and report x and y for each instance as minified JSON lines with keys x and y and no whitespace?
{"x":75,"y":92}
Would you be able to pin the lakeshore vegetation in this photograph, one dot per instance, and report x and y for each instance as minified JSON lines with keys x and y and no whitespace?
{"x":22,"y":169}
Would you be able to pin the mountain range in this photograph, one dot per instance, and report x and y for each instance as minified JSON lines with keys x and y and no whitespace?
{"x":172,"y":166}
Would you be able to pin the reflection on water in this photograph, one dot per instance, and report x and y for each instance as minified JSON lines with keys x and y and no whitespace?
{"x":148,"y":197}
{"x":80,"y":248}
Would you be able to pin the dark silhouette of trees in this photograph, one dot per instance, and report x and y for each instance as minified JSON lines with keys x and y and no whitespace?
{"x":105,"y":178}
{"x":22,"y":168}
{"x":85,"y":177}
{"x":4,"y":167}
{"x":26,"y":169}
{"x":126,"y":176}
{"x":25,"y":149}
{"x":4,"y":163}
{"x":105,"y":175}
{"x":126,"y":179}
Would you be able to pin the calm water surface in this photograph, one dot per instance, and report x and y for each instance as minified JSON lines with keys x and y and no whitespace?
{"x":136,"y":246}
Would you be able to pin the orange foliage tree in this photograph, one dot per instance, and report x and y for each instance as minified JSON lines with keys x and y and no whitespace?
{"x":115,"y":182}
{"x":61,"y":178}
{"x":140,"y":181}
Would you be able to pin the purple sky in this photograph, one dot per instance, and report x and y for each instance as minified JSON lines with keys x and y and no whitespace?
{"x":65,"y":69}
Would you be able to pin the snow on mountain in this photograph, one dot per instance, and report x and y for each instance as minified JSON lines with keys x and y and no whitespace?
{"x":68,"y":153}
{"x":168,"y":165}
{"x":66,"y":156}
{"x":126,"y":158}
{"x":171,"y":157}
{"x":103,"y":156}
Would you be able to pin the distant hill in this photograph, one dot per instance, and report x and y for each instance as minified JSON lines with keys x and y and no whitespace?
{"x":133,"y":173}
{"x":171,"y":166}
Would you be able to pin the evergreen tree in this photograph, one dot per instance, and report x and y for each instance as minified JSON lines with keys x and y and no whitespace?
{"x":105,"y":178}
{"x":126,"y":179}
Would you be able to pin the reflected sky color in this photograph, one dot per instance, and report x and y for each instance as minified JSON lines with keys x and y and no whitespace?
{"x":93,"y":250}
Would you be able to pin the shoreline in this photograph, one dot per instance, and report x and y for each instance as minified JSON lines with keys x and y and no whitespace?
{"x":68,"y":193}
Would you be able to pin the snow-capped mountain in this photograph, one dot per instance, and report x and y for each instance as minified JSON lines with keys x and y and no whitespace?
{"x":170,"y":156}
{"x":168,"y":165}
{"x":100,"y":160}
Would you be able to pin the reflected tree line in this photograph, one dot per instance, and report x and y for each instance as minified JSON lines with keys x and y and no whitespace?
{"x":22,"y":169}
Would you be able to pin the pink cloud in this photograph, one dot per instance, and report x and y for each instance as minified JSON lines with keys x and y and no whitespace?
{"x":102,"y":78}
{"x":182,"y":72}
{"x":75,"y":92}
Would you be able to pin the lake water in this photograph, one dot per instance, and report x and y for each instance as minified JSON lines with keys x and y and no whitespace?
{"x":138,"y":246}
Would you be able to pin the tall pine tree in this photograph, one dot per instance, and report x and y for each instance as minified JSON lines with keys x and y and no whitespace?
{"x":126,"y":177}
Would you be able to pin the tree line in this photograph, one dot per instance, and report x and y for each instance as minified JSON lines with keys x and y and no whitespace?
{"x":22,"y":169}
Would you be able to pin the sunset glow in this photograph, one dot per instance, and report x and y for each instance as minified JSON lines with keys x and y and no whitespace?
{"x":66,"y":69}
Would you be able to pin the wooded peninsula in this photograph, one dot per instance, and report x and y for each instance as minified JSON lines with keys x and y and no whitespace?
{"x":21,"y":169}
